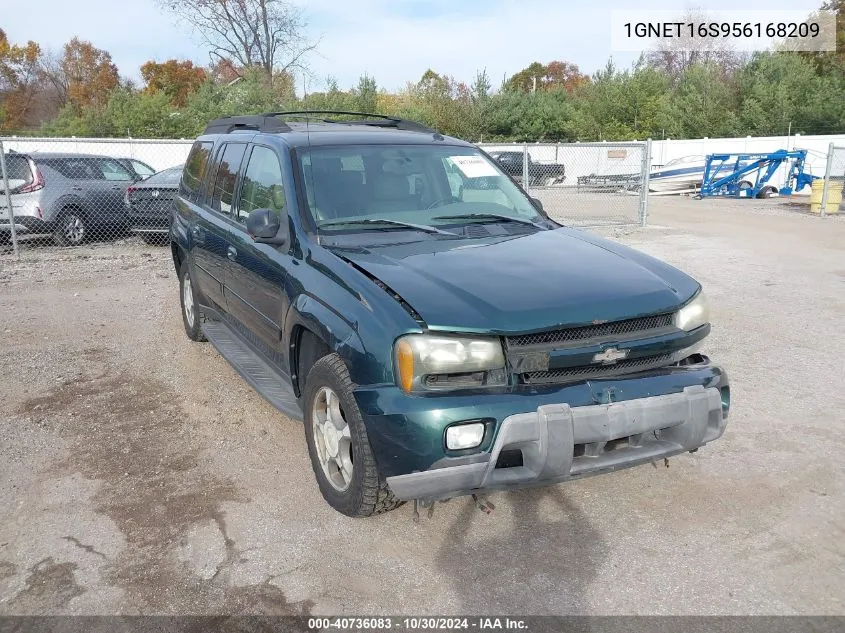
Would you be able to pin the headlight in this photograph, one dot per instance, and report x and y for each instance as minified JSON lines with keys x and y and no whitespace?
{"x":425,"y":361}
{"x":695,"y":314}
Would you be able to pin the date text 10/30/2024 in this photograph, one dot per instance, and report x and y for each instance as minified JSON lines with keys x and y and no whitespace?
{"x":417,"y":624}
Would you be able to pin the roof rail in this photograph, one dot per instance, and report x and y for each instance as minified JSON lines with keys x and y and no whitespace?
{"x":274,"y":121}
{"x":375,"y":120}
{"x":258,"y":123}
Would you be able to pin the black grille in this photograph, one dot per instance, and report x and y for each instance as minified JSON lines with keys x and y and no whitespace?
{"x":629,"y":328}
{"x":572,"y":374}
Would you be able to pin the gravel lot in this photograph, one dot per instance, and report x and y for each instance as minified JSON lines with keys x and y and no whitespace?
{"x":140,"y":474}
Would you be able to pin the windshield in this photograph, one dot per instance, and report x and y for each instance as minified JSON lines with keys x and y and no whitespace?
{"x":169,"y":176}
{"x":414,"y":184}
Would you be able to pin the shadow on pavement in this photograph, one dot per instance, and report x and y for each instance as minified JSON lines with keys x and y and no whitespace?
{"x":540,"y":560}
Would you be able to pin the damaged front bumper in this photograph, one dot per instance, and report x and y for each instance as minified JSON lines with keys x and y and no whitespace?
{"x":557,"y":442}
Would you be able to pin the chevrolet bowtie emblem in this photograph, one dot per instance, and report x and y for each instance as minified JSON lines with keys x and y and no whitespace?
{"x":610,"y":356}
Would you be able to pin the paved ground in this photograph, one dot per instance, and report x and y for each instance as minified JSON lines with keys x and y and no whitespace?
{"x":140,"y":474}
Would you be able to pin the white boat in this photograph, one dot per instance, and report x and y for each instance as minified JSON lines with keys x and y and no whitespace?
{"x":678,"y":175}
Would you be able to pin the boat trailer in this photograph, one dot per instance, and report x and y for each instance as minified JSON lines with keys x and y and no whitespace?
{"x":748,"y":175}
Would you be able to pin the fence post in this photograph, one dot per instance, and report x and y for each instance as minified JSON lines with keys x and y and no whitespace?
{"x":9,"y":201}
{"x":827,"y":172}
{"x":525,"y":181}
{"x":645,"y":170}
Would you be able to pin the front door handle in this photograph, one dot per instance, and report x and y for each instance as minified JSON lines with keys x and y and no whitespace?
{"x":117,"y":187}
{"x":231,"y":253}
{"x":77,"y":188}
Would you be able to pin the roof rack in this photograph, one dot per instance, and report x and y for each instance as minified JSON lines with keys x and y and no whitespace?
{"x":375,"y":120}
{"x":274,"y":122}
{"x":258,"y":123}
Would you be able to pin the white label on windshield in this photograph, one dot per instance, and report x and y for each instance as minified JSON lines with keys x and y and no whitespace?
{"x":474,"y":166}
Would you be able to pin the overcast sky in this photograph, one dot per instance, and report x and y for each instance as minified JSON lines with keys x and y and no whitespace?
{"x":393,"y":40}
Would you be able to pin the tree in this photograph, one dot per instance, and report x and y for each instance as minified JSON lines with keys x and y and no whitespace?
{"x":175,"y":79}
{"x":674,"y":55}
{"x":481,"y":86}
{"x":83,"y":76}
{"x":366,"y":94}
{"x":554,"y":75}
{"x":18,"y":82}
{"x":265,"y":34}
{"x":780,"y":89}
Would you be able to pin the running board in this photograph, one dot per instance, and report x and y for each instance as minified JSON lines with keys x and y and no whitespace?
{"x":269,"y":382}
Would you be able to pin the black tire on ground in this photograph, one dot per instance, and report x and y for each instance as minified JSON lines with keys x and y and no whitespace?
{"x":368,"y":493}
{"x":190,"y":318}
{"x":70,"y":229}
{"x":766,"y":192}
{"x":155,"y":239}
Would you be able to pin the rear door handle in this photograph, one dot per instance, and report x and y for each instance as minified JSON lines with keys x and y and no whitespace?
{"x":231,"y":253}
{"x":116,"y":187}
{"x":77,"y":188}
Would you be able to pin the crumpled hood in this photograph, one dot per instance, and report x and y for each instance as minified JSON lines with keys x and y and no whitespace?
{"x":525,"y":283}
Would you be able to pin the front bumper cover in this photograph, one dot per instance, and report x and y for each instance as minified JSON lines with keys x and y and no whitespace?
{"x":604,"y":437}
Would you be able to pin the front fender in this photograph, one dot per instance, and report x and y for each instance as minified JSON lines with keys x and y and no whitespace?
{"x":337,"y":332}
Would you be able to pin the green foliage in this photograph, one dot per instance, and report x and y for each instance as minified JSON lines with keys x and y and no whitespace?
{"x":770,"y":93}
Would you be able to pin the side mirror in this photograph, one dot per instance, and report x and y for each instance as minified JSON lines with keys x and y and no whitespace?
{"x":265,"y":227}
{"x":538,"y":204}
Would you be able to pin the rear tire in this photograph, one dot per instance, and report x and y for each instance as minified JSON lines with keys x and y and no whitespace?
{"x":190,"y":306}
{"x":70,"y":229}
{"x":338,"y":445}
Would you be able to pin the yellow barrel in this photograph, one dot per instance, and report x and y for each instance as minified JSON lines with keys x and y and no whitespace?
{"x":834,"y":196}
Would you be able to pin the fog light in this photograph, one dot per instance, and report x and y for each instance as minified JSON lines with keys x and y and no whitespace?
{"x":464,"y":436}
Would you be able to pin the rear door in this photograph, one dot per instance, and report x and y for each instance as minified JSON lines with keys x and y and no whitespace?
{"x":213,"y":223}
{"x":86,"y":184}
{"x":117,"y":178}
{"x":256,"y":285}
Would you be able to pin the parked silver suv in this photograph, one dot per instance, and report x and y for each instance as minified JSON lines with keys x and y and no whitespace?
{"x":66,"y":195}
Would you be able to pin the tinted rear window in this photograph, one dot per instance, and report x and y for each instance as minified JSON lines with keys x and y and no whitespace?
{"x":75,"y":168}
{"x":227,"y":175}
{"x":195,"y":167}
{"x":166,"y":177}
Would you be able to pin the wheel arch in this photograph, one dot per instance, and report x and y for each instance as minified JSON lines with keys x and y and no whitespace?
{"x":309,"y":317}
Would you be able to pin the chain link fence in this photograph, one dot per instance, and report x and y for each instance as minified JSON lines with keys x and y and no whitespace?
{"x":582,"y":184}
{"x":834,"y":180}
{"x":69,"y":192}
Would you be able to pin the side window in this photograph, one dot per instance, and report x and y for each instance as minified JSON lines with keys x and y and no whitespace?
{"x":262,"y":186}
{"x":226,"y":177}
{"x":76,"y":168}
{"x":112,"y":170}
{"x":195,"y":166}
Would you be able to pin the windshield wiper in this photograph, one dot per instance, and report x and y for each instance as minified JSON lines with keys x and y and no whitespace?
{"x":489,"y":216}
{"x":390,"y":223}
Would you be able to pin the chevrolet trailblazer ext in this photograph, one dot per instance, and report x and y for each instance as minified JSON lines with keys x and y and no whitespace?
{"x":438,"y":333}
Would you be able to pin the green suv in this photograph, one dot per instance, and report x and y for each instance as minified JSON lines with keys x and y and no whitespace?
{"x":436,"y":331}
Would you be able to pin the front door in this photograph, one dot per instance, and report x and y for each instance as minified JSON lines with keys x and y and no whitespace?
{"x":256,"y":285}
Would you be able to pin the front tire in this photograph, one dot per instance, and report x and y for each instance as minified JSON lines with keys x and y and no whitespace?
{"x":190,"y":306}
{"x":71,"y":229}
{"x":338,"y":444}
